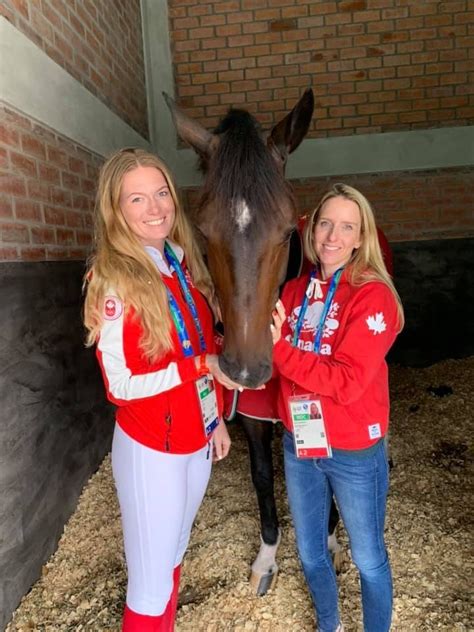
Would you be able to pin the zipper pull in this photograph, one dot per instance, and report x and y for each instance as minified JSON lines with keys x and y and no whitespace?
{"x":310,"y":288}
{"x":314,"y":289}
{"x":318,"y":293}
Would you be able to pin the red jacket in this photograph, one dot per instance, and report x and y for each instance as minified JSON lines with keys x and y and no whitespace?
{"x":157,"y":402}
{"x":263,"y":404}
{"x":349,"y":375}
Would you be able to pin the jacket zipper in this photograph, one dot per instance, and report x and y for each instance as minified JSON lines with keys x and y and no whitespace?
{"x":168,"y":430}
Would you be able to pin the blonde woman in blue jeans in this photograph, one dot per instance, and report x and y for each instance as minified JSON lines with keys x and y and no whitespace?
{"x":332,"y":330}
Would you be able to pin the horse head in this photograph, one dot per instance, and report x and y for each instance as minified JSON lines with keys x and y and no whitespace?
{"x":246,"y":215}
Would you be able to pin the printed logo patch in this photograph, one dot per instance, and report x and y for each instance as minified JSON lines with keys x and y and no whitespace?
{"x":374,"y":431}
{"x":113,"y":308}
{"x":376,"y":323}
{"x":313,"y":316}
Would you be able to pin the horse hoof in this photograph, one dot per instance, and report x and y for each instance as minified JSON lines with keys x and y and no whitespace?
{"x":262,"y":583}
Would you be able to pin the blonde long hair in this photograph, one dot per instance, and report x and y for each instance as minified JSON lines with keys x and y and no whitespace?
{"x":366,"y":263}
{"x":120,"y":263}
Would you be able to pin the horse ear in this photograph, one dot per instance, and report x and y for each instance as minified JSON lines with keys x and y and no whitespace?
{"x":189,"y":130}
{"x":290,"y":131}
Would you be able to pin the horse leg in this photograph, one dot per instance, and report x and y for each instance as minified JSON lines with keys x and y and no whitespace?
{"x":333,"y":545}
{"x":259,"y":436}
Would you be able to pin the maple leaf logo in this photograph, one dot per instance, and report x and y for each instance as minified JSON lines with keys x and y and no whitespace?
{"x":376,"y":323}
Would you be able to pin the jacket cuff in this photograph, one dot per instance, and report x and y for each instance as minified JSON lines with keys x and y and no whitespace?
{"x":280,"y":351}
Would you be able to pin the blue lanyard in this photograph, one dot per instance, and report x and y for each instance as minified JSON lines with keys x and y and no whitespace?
{"x":327,"y":304}
{"x":176,"y":312}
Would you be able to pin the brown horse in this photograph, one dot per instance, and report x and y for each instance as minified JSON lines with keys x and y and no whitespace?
{"x":246,"y":216}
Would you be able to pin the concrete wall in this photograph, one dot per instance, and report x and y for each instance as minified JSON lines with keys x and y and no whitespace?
{"x":55,"y":426}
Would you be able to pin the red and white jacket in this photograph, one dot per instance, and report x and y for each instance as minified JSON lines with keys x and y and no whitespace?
{"x":350,"y":374}
{"x":157,"y":401}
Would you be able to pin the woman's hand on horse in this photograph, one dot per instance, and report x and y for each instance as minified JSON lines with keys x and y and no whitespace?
{"x":212,"y":362}
{"x":221,"y":442}
{"x":279,"y":317}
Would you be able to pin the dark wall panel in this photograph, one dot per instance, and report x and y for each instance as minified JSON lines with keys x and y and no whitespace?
{"x":434,"y":279}
{"x":55,"y":427}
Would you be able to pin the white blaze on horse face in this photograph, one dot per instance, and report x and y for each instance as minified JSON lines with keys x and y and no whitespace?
{"x":244,"y":372}
{"x":242,"y":215}
{"x":246,"y":327}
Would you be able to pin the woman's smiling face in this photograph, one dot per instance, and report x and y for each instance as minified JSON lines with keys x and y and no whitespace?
{"x":337,"y":233}
{"x":147,"y":205}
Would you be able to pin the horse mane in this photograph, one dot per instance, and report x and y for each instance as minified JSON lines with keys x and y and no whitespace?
{"x":243,"y":168}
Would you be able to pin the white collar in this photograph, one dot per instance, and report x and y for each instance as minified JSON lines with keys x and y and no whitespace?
{"x":160,"y":261}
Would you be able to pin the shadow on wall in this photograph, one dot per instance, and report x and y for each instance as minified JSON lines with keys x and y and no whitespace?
{"x":434,"y":282}
{"x":55,"y":427}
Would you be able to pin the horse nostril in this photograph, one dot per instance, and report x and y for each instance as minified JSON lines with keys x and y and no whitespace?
{"x":265,"y":372}
{"x":229,"y":367}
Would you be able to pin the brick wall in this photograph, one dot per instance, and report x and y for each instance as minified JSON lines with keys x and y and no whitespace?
{"x":47,"y":188}
{"x":99,"y":42}
{"x":409,"y":206}
{"x":375,"y":65}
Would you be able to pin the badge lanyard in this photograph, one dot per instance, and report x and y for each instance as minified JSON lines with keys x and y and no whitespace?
{"x":176,"y":314}
{"x":204,"y":384}
{"x":306,"y":414}
{"x":327,"y":304}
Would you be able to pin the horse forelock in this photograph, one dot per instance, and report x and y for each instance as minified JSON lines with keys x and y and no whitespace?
{"x":242,"y":178}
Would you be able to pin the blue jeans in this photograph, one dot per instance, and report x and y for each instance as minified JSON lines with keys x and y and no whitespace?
{"x":360,"y":486}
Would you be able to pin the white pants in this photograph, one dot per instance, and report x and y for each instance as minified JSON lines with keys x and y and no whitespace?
{"x":159,"y":496}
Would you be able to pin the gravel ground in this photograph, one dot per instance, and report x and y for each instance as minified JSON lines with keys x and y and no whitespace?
{"x":429,"y":523}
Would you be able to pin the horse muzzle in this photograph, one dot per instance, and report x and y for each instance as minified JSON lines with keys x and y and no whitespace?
{"x":248,"y":374}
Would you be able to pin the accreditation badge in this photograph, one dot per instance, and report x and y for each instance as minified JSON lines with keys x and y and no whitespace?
{"x":208,"y":401}
{"x":309,"y":429}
